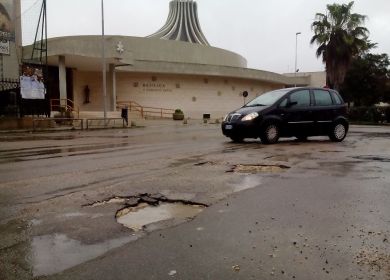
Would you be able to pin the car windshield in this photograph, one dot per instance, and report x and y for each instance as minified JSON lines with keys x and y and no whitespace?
{"x":267,"y":98}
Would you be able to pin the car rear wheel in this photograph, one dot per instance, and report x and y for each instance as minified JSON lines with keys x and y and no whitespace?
{"x":338,"y":132}
{"x":270,"y":133}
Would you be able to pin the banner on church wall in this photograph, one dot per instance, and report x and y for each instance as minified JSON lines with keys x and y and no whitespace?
{"x":32,"y":83}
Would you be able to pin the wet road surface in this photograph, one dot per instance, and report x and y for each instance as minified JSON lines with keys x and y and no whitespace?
{"x":295,"y":210}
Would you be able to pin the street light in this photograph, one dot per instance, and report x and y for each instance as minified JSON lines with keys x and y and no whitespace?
{"x":296,"y":54}
{"x":104,"y":68}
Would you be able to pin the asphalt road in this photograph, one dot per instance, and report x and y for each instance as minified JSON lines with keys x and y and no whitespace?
{"x":294,"y":210}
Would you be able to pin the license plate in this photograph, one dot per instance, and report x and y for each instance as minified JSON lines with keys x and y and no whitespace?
{"x":228,"y":126}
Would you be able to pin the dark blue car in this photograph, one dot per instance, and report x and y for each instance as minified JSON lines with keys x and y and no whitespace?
{"x":289,"y":112}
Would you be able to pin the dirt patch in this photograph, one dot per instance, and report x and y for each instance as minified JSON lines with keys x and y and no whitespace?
{"x":375,"y":261}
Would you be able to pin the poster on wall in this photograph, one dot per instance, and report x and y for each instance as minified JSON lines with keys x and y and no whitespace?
{"x":6,"y":25}
{"x":31,"y":83}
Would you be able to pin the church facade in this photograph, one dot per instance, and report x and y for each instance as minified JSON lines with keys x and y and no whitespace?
{"x":172,"y":68}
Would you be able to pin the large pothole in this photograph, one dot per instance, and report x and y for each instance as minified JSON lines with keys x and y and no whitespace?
{"x":258,"y":168}
{"x":147,"y":209}
{"x":142,"y":215}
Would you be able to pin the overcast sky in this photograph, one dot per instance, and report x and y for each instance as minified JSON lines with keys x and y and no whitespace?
{"x":261,"y":31}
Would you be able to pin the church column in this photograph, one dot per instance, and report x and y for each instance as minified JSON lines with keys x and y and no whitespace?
{"x":62,"y":79}
{"x":113,"y":80}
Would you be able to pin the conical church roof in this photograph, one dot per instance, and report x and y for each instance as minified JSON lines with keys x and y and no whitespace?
{"x":182,"y":24}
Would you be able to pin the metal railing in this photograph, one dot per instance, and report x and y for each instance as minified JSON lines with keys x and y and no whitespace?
{"x":9,"y":84}
{"x":67,"y":104}
{"x":145,"y":110}
{"x":43,"y":123}
{"x":105,"y":123}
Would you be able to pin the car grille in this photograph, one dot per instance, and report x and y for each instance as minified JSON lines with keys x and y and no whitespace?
{"x":233,"y":117}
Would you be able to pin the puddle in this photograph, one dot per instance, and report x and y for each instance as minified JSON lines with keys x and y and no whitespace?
{"x":137,"y":217}
{"x":258,"y":168}
{"x":37,"y":153}
{"x":248,"y":182}
{"x":146,"y":209}
{"x":55,"y":253}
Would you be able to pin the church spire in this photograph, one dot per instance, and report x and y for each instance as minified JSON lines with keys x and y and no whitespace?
{"x":182,"y":24}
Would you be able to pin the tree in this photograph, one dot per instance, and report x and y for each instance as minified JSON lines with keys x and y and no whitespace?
{"x":340,"y":36}
{"x":367,"y":82}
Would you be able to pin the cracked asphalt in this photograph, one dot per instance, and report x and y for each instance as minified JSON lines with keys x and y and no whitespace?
{"x":294,"y":210}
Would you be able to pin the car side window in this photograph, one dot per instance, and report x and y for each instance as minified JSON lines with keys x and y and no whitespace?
{"x":300,"y":98}
{"x":283,"y":104}
{"x":322,"y":97}
{"x":336,"y":98}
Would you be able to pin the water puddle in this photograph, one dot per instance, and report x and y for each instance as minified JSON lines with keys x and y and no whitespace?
{"x":249,"y":182}
{"x":55,"y":253}
{"x":258,"y":168}
{"x":137,"y":217}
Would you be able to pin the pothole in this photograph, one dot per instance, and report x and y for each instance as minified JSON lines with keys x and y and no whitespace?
{"x":146,"y":209}
{"x":258,"y":168}
{"x":205,"y":163}
{"x":137,"y":217}
{"x":373,"y":158}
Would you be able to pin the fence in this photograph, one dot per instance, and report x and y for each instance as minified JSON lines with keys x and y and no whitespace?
{"x":44,"y":123}
{"x":146,"y":111}
{"x":105,"y":123}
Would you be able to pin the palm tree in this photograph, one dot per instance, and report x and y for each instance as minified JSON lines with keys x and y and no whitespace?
{"x":340,"y":36}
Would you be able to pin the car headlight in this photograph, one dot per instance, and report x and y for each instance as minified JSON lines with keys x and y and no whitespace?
{"x":250,"y":117}
{"x":225,"y":118}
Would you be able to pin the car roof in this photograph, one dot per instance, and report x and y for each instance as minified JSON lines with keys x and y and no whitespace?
{"x":308,"y":87}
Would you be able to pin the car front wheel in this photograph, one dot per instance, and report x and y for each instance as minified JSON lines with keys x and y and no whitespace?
{"x":338,"y":132}
{"x":270,"y":133}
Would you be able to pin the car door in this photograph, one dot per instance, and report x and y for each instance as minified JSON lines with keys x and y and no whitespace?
{"x":297,"y":114}
{"x":323,"y":110}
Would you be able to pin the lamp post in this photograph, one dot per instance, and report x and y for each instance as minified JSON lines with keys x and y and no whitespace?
{"x":104,"y":67}
{"x":296,"y":55}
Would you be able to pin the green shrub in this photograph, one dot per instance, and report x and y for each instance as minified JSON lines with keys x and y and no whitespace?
{"x":178,"y":111}
{"x":374,"y":114}
{"x":178,"y":115}
{"x":368,"y":114}
{"x":357,"y":113}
